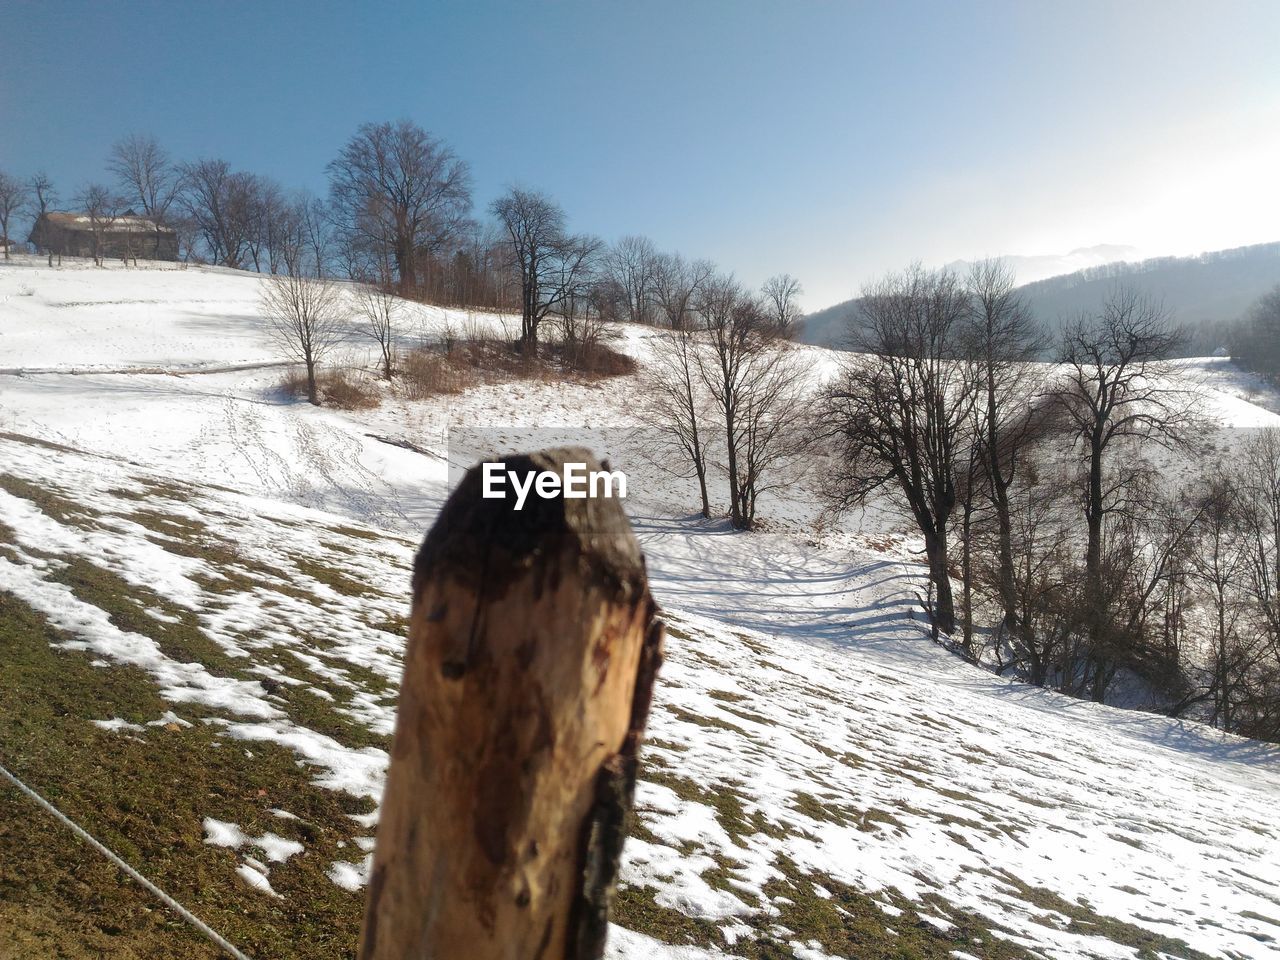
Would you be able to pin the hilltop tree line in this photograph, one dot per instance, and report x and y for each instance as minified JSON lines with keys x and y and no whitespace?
{"x":398,"y":219}
{"x":399,"y":214}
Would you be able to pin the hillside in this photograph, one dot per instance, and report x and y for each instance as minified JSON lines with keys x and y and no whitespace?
{"x":1209,"y":289}
{"x":1029,"y":269}
{"x":203,"y":587}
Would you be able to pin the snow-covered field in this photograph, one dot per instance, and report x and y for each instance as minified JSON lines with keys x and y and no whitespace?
{"x":821,"y":781}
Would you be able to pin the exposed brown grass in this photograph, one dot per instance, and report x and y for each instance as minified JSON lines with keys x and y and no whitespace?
{"x":339,"y":388}
{"x":597,"y":361}
{"x":427,"y":373}
{"x":346,"y":390}
{"x":458,"y":363}
{"x":294,"y":383}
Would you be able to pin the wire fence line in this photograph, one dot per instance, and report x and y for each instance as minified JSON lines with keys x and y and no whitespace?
{"x":198,"y":924}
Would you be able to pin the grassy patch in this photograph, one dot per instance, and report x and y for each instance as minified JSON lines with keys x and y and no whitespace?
{"x":824,"y":810}
{"x":145,"y":795}
{"x":51,"y":502}
{"x":635,"y":908}
{"x":1083,"y":920}
{"x":331,"y":577}
{"x":714,"y":723}
{"x":127,"y":606}
{"x":849,"y":923}
{"x":355,"y":533}
{"x":177,"y":633}
{"x":37,"y":442}
{"x":723,"y":799}
{"x":1261,"y":918}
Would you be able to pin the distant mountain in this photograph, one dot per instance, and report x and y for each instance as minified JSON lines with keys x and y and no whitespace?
{"x":1202,"y":292}
{"x":1031,"y":269}
{"x":1209,"y":289}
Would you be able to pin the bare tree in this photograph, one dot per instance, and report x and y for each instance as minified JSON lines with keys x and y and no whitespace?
{"x":44,"y":197}
{"x":1259,"y":483}
{"x":146,"y":177}
{"x":102,"y":207}
{"x":781,"y":297}
{"x":733,"y":324}
{"x":631,"y":266}
{"x":755,"y":387}
{"x":14,"y":195}
{"x":379,"y":307}
{"x":307,"y":320}
{"x":772,"y":436}
{"x":1002,"y":337}
{"x":315,"y":232}
{"x":677,"y":284}
{"x":900,"y":412}
{"x":1045,"y":578}
{"x":1115,"y":389}
{"x":399,"y":193}
{"x":535,"y":227}
{"x":553,"y":267}
{"x":677,"y":408}
{"x":1219,"y":565}
{"x":224,"y":207}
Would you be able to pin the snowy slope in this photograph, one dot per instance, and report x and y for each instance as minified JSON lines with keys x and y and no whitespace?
{"x":819,"y":777}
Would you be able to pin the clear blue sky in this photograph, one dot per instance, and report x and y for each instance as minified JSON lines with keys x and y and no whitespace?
{"x":832,"y":140}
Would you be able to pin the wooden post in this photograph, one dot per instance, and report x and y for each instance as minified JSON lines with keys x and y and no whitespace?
{"x":533,"y":646}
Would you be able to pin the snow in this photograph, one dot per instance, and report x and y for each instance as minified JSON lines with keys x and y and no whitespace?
{"x":798,"y":680}
{"x":254,"y":872}
{"x":350,"y":876}
{"x":256,"y":879}
{"x":117,"y":724}
{"x":221,"y":834}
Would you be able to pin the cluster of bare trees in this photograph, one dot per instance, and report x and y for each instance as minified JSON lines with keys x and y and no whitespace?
{"x":1229,"y":573}
{"x":725,"y":392}
{"x":1074,"y":546}
{"x":1255,"y":339}
{"x":398,"y":218}
{"x":245,"y":221}
{"x":1086,"y":561}
{"x":555,"y":270}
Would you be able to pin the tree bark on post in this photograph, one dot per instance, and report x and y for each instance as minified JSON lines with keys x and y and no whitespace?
{"x":534,"y":642}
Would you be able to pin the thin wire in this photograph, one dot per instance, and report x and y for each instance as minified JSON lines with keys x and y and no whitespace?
{"x":88,"y":838}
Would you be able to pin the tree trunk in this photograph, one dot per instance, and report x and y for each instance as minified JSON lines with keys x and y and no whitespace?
{"x":1095,"y":615}
{"x":944,"y":609}
{"x":701,"y":469}
{"x":406,"y":267}
{"x":1004,"y":550}
{"x":966,"y":597}
{"x":313,"y":395}
{"x":736,"y":517}
{"x":533,"y":647}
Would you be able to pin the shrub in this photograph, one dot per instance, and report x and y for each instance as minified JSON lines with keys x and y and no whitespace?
{"x":294,"y":384}
{"x":481,"y":356}
{"x":427,"y":373}
{"x":338,"y":388}
{"x":601,"y":360}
